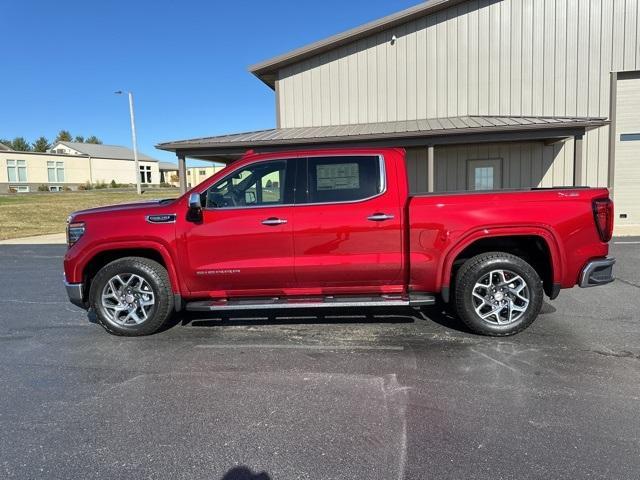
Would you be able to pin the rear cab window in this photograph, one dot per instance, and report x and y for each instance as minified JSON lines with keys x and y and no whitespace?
{"x":334,"y":179}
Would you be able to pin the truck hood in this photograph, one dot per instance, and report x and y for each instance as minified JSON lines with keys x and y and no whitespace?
{"x":123,"y":207}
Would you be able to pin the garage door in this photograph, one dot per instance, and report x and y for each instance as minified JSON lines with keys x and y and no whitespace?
{"x":627,"y":167}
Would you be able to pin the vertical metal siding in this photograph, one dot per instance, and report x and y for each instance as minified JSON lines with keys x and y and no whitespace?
{"x":482,"y":57}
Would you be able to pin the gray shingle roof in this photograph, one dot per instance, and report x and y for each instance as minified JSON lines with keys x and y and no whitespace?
{"x":116,"y":152}
{"x":432,"y":127}
{"x":167,"y":166}
{"x":4,"y":147}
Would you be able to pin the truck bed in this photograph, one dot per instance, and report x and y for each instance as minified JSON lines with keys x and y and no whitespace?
{"x":442,"y":225}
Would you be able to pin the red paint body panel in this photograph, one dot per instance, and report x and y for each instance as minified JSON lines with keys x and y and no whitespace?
{"x":334,"y":248}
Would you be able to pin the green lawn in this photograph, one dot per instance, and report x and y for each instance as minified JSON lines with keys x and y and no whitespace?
{"x":23,"y":215}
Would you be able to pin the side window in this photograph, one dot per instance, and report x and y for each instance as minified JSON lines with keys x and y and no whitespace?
{"x":343,"y":179}
{"x":259,"y":184}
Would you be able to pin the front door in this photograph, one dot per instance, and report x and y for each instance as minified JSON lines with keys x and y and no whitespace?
{"x":347,"y":226}
{"x":244,"y":243}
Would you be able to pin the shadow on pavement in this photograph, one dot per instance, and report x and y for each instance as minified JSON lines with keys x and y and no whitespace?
{"x":244,"y":473}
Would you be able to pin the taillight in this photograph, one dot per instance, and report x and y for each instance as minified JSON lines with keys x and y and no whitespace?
{"x":603,"y":216}
{"x":75,"y":230}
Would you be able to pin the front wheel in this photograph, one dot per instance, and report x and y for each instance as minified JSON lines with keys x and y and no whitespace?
{"x":498,"y":294}
{"x":132,"y":296}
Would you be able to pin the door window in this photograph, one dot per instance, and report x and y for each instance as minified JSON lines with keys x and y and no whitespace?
{"x":344,"y":179}
{"x":484,"y":174}
{"x":258,"y":184}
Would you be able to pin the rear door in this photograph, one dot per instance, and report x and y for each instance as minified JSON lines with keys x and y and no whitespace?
{"x":347,"y":225}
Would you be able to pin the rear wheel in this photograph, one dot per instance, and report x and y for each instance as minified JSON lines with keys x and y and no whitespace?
{"x":132,"y":296}
{"x":498,"y":294}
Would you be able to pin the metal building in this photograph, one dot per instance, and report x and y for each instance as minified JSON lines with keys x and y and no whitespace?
{"x":484,"y":94}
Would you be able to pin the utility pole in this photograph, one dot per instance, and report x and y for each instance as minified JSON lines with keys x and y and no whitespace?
{"x":134,"y":141}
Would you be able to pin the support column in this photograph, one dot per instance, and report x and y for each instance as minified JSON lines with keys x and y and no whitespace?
{"x":431,"y":170}
{"x":578,"y":160}
{"x":182,"y":173}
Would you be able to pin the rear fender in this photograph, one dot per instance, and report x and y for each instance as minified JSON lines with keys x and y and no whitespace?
{"x":557,"y":255}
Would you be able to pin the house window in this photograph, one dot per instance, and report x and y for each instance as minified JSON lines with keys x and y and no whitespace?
{"x":145,"y":174}
{"x":19,"y":188}
{"x":55,"y":171}
{"x":629,"y":137}
{"x":17,"y":170}
{"x":484,"y":174}
{"x":55,"y":188}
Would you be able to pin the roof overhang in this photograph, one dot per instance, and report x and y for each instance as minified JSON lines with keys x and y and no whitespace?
{"x":442,"y":131}
{"x":267,"y":70}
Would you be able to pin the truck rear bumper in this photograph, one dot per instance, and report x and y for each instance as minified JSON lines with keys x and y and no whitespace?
{"x":74,"y":292}
{"x":597,"y":272}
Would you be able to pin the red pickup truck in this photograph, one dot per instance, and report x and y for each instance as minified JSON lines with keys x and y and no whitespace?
{"x":336,"y":228}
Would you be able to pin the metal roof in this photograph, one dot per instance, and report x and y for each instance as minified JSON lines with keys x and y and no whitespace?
{"x":266,"y":70}
{"x":115,"y":152}
{"x":426,"y":129}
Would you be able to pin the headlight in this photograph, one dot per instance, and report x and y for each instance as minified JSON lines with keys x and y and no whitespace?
{"x":75,"y":230}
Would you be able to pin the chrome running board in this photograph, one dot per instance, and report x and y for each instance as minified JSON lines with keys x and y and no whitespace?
{"x":327,"y":301}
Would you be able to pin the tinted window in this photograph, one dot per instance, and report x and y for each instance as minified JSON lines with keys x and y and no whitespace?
{"x":343,"y":179}
{"x":258,"y":184}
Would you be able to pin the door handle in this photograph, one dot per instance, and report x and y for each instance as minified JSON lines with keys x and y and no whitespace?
{"x":273,"y":221}
{"x":380,"y":217}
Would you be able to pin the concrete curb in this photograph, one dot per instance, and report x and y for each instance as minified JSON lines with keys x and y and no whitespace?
{"x":51,"y":239}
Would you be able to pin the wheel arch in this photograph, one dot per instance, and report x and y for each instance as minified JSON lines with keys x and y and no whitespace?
{"x":108,"y":254}
{"x":537,"y":247}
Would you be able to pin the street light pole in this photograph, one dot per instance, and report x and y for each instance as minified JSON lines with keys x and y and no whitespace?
{"x":134,"y":141}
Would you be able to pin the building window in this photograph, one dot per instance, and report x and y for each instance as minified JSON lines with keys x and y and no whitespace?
{"x":484,"y":174}
{"x":203,"y":172}
{"x":19,"y":188}
{"x":145,"y":174}
{"x":55,"y":188}
{"x":55,"y":171}
{"x":17,"y":170}
{"x":629,"y":137}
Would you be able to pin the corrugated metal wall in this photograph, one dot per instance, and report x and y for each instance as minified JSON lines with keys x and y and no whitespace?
{"x":482,"y":57}
{"x":524,"y":165}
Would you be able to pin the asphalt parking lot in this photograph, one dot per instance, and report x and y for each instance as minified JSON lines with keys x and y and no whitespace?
{"x":358,"y":395}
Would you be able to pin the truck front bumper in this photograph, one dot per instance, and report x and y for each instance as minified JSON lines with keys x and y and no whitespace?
{"x":597,"y":272}
{"x":74,"y":292}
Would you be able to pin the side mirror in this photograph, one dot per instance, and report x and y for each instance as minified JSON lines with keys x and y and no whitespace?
{"x":194,"y":214}
{"x":194,"y":202}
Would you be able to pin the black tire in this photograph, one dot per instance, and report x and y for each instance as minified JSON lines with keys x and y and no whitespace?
{"x":478,"y":268}
{"x":156,"y":277}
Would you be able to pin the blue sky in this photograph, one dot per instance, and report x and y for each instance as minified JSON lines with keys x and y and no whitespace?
{"x":186,"y":62}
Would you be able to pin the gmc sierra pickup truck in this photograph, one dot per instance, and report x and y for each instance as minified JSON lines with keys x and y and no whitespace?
{"x":336,"y":228}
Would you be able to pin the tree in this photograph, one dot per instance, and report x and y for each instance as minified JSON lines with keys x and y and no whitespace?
{"x":94,"y":139}
{"x":63,"y":136}
{"x":79,"y":139}
{"x":19,"y":144}
{"x":41,"y":145}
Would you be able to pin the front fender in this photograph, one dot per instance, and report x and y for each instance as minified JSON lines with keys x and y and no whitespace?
{"x":76,"y":261}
